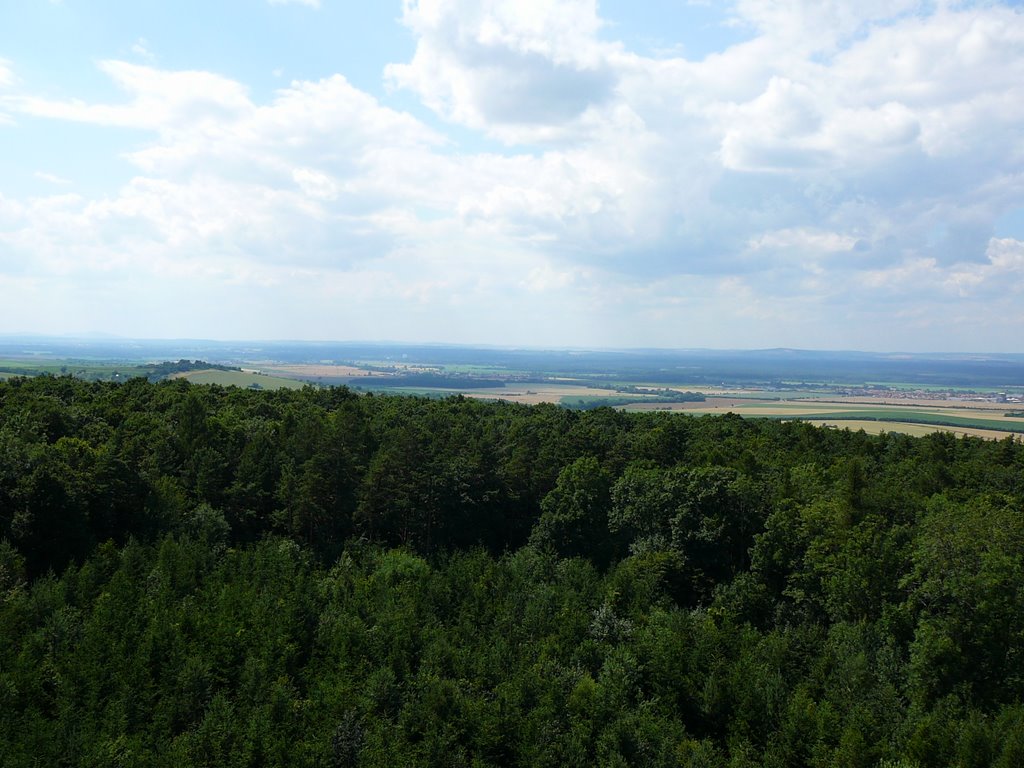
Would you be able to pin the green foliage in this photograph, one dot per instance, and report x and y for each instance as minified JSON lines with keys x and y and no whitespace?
{"x":574,"y":515}
{"x":208,"y":576}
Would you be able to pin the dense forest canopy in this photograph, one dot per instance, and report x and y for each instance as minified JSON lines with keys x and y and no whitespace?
{"x":210,"y":576}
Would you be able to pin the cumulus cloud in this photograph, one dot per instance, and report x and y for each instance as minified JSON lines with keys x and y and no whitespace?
{"x":161,"y":100}
{"x":956,"y":299}
{"x":794,"y":127}
{"x":843,"y":163}
{"x":519,"y":70}
{"x":819,"y":25}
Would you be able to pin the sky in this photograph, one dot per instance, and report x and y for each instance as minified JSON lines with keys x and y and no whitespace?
{"x":554,"y":173}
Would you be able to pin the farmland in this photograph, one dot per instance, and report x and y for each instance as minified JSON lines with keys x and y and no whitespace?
{"x":90,"y":370}
{"x":244,"y":379}
{"x":985,"y":419}
{"x":914,"y":394}
{"x":915,"y":430}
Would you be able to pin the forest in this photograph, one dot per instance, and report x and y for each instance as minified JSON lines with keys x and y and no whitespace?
{"x":209,"y":576}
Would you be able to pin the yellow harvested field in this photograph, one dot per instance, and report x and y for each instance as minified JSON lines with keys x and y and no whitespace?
{"x":877,"y":427}
{"x":766,"y":409}
{"x":534,"y":394}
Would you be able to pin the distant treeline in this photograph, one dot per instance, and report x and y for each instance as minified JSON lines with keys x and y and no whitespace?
{"x":207,"y":576}
{"x":665,"y":396}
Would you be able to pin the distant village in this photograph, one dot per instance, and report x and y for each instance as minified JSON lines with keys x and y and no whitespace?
{"x":965,"y":396}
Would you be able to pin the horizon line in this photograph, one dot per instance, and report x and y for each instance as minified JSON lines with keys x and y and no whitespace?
{"x":115,"y":339}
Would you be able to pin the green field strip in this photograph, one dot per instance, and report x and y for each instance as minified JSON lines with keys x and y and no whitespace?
{"x":741,"y":407}
{"x":242,"y":379}
{"x":1002,"y":425}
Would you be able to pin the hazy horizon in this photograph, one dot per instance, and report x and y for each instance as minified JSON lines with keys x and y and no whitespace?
{"x":116,"y":341}
{"x":744,"y":175}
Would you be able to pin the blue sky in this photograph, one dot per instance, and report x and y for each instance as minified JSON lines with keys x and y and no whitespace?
{"x":742,"y":174}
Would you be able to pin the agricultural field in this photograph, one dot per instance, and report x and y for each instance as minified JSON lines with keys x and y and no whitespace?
{"x":557,"y":393}
{"x":317,"y":371}
{"x":244,"y":379}
{"x":90,"y":370}
{"x":743,"y":405}
{"x":877,"y":415}
{"x":530,"y":394}
{"x":860,"y":390}
{"x":915,"y":430}
{"x":939,"y":417}
{"x":935,"y":402}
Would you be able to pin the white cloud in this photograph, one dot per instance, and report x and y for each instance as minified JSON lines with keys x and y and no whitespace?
{"x":547,"y":278}
{"x":328,"y":121}
{"x":1006,"y":255}
{"x":317,"y":185}
{"x":162,"y":99}
{"x":804,"y":240}
{"x":1003,"y":271}
{"x":792,"y":127}
{"x":7,"y":80}
{"x":141,"y":49}
{"x":1000,"y":275}
{"x":814,"y":111}
{"x":52,"y":178}
{"x":520,"y":70}
{"x":810,"y":26}
{"x":845,"y":163}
